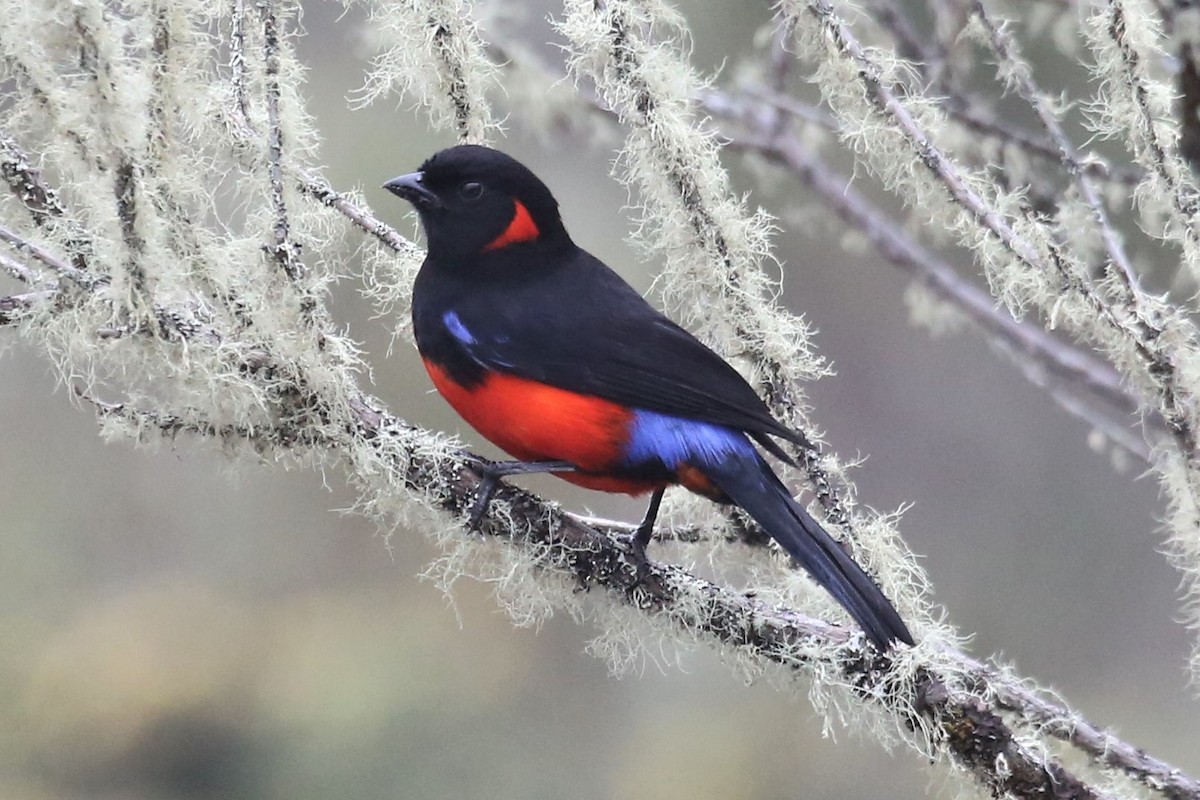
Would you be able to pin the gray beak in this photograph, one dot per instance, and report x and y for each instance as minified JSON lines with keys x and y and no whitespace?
{"x":410,"y":188}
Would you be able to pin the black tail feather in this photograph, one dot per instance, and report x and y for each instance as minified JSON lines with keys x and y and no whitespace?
{"x":755,"y":488}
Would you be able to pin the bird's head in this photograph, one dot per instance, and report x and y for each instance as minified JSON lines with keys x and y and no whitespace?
{"x":475,"y":200}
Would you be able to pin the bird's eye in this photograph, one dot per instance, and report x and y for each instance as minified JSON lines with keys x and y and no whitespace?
{"x":470,"y":191}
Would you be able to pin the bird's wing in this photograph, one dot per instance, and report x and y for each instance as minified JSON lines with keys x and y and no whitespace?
{"x":585,"y":330}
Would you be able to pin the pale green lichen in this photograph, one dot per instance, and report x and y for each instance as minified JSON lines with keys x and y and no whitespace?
{"x":200,"y":331}
{"x":430,"y":53}
{"x":1028,"y":262}
{"x":715,"y":251}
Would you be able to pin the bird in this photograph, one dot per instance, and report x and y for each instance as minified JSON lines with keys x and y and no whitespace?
{"x":548,"y":353}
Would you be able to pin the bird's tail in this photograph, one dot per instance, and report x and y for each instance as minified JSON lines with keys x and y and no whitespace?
{"x":756,"y":488}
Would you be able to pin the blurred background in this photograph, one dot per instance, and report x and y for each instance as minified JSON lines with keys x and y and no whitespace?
{"x":174,"y":625}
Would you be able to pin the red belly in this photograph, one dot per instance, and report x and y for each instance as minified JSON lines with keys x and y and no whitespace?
{"x":535,"y":422}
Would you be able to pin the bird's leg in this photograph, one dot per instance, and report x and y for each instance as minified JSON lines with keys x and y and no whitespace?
{"x":491,"y":472}
{"x":645,"y":531}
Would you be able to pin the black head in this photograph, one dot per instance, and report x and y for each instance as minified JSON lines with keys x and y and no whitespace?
{"x":475,"y":200}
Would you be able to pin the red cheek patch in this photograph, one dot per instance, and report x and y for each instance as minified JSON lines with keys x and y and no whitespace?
{"x":521,"y":229}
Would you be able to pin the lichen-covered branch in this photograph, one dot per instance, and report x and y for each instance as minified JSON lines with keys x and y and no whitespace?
{"x":430,"y":52}
{"x":627,"y":49}
{"x":284,"y":250}
{"x":1135,"y":108}
{"x":177,"y":305}
{"x":1017,"y":73}
{"x":1029,"y":263}
{"x":1069,"y":374}
{"x":1079,"y":382}
{"x":14,"y":307}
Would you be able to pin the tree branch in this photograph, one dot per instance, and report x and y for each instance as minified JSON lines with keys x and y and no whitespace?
{"x":285,"y":252}
{"x":222,"y":362}
{"x":1046,"y":361}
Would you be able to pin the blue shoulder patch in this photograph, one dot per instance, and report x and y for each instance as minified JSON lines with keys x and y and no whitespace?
{"x":672,"y":440}
{"x":457,"y":329}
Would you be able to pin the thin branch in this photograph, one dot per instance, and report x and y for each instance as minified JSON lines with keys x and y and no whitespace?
{"x":19,"y":271}
{"x":687,"y":534}
{"x":264,"y":438}
{"x":285,"y":252}
{"x":1159,"y":355}
{"x":1056,"y":719}
{"x":16,"y":307}
{"x":1159,"y":154}
{"x":237,"y":59}
{"x":1038,"y":351}
{"x":635,"y":101}
{"x":1093,"y":164}
{"x":1019,"y":74}
{"x":930,"y":56}
{"x":962,"y":109}
{"x":25,"y":182}
{"x":1067,"y":397}
{"x":362,"y":217}
{"x":44,"y":206}
{"x":918,"y":47}
{"x":44,"y":256}
{"x":309,"y":183}
{"x":975,"y":734}
{"x":94,"y":25}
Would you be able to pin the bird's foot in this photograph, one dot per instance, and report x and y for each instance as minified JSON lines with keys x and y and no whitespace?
{"x":490,"y":473}
{"x":483,"y":498}
{"x":638,"y":541}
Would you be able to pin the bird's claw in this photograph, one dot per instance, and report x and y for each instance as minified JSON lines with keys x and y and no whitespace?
{"x":637,"y":542}
{"x":483,"y":499}
{"x":490,"y":473}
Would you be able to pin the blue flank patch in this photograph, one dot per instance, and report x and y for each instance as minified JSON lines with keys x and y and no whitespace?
{"x":672,"y":440}
{"x":457,"y":329}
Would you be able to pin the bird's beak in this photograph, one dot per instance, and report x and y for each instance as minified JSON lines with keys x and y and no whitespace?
{"x":413,"y":190}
